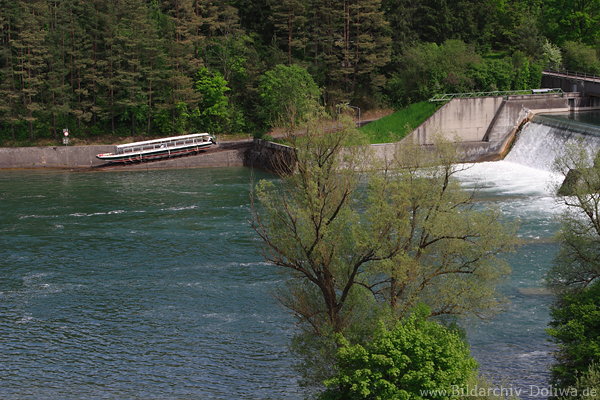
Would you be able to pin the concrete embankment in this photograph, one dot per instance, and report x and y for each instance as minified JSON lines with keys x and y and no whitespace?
{"x":227,"y":154}
{"x":52,"y":157}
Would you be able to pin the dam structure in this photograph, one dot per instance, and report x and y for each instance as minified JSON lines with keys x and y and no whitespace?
{"x":485,"y":127}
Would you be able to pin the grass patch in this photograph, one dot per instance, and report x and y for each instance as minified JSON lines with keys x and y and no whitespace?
{"x":396,"y":126}
{"x":495,"y":55}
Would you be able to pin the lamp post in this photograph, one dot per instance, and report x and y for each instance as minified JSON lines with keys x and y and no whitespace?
{"x":341,"y":106}
{"x":356,"y":108}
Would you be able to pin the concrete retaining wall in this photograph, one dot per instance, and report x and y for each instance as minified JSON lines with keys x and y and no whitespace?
{"x":226,"y":158}
{"x":483,"y":119}
{"x":459,"y":120}
{"x":52,"y":157}
{"x":226,"y":155}
{"x":270,"y":156}
{"x":484,"y":127}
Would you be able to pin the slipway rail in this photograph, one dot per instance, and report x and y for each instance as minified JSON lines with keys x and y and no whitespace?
{"x":505,"y":93}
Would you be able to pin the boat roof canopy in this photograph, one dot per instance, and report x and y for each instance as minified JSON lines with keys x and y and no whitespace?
{"x":168,"y":139}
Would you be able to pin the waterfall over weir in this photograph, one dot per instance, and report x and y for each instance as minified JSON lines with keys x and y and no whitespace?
{"x":547,"y":137}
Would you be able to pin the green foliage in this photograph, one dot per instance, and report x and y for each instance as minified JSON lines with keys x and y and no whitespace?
{"x":526,"y":74}
{"x":587,"y":385}
{"x":575,"y":324}
{"x":428,"y":68}
{"x":513,"y":26}
{"x":575,"y":327}
{"x":214,"y":113}
{"x":129,"y":67}
{"x":415,"y":356}
{"x":493,"y":74}
{"x":552,"y":56}
{"x":394,"y":127}
{"x":455,"y":67}
{"x":289,"y":96}
{"x":581,"y":58}
{"x":361,"y":248}
{"x":567,"y":20}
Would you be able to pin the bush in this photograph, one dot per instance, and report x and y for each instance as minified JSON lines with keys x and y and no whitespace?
{"x":415,"y":357}
{"x":575,"y":327}
{"x":429,"y":69}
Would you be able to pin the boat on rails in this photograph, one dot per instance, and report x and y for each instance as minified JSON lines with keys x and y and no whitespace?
{"x":159,"y":148}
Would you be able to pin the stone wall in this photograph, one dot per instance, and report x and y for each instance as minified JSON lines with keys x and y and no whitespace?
{"x":274,"y":157}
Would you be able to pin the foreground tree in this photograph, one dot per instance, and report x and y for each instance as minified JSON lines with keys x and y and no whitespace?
{"x":360,"y":248}
{"x":575,"y":324}
{"x":577,"y":264}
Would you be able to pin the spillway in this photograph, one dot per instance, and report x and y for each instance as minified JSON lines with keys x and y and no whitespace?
{"x":547,"y":137}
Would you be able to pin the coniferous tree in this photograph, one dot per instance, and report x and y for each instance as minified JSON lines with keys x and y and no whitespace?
{"x":184,"y":34}
{"x":58,"y":92}
{"x":30,"y":58}
{"x":9,"y":93}
{"x":371,"y":47}
{"x":289,"y":20}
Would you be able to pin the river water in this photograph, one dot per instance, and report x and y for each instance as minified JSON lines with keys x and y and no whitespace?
{"x":137,"y":285}
{"x":151,"y":285}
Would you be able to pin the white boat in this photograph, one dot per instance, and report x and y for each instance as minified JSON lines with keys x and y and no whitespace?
{"x":159,"y":148}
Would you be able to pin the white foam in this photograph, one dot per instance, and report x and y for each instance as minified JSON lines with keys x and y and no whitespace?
{"x":113,"y":212}
{"x":181,"y":208}
{"x":508,"y":178}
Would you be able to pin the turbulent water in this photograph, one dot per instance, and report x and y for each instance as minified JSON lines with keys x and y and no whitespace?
{"x":513,"y":349}
{"x":546,"y":138}
{"x":137,"y":285}
{"x":150,"y":284}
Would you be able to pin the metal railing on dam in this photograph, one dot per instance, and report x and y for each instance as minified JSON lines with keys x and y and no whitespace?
{"x":497,"y":93}
{"x":572,"y":74}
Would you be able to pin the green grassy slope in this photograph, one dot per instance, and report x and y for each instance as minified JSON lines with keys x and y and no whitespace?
{"x":397,"y":125}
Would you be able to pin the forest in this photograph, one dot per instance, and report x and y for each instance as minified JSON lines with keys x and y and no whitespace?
{"x":160,"y":67}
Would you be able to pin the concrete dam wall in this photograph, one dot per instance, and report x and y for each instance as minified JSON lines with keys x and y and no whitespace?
{"x":483,"y":127}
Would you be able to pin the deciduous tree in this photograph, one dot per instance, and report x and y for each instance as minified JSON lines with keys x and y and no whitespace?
{"x":410,"y":236}
{"x":289,"y":96}
{"x":575,"y":327}
{"x":577,"y":264}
